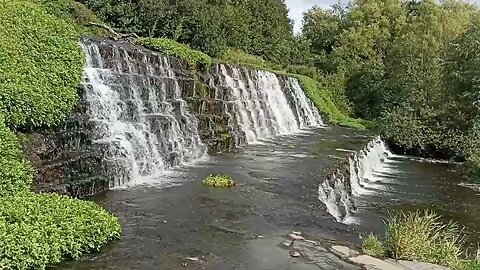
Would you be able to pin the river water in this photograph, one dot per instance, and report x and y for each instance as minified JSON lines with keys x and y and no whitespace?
{"x":276,"y":193}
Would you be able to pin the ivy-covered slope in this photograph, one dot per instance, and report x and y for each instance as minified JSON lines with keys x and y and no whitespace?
{"x":40,"y":67}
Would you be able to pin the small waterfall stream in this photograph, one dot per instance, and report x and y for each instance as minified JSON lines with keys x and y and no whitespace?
{"x":138,"y":113}
{"x":265,"y":104}
{"x":353,"y":180}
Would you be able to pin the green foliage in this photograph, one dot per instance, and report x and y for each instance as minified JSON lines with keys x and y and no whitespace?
{"x":320,"y":96}
{"x":173,"y":48}
{"x":423,"y":237}
{"x":219,"y":180}
{"x":38,"y":231}
{"x":373,"y":246}
{"x":15,"y":174}
{"x":259,"y":27}
{"x":40,"y":65}
{"x":239,"y":57}
{"x":472,"y":265}
{"x":410,"y":65}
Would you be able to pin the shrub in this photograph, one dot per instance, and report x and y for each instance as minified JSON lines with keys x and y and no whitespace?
{"x":373,"y":246}
{"x":423,"y":237}
{"x":236,"y":56}
{"x":15,"y":174}
{"x":41,"y":64}
{"x":172,"y":48}
{"x":320,"y":96}
{"x":219,"y":180}
{"x":37,"y":231}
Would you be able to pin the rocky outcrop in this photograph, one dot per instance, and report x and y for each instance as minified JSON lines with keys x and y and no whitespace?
{"x":64,"y":158}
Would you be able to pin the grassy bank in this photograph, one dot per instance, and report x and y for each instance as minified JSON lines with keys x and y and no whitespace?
{"x":41,"y":65}
{"x":421,"y":237}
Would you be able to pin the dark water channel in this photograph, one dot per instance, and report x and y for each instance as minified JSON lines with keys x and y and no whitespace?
{"x":276,"y":193}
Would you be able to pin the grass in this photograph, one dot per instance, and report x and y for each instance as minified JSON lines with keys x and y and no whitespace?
{"x":373,"y":246}
{"x":172,"y":48}
{"x":320,"y":96}
{"x":422,"y":236}
{"x":219,"y":180}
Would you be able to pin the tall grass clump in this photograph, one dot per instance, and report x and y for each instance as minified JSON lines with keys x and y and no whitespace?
{"x":373,"y":246}
{"x":422,"y":236}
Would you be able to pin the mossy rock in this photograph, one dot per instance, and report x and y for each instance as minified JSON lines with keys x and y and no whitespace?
{"x":219,"y":180}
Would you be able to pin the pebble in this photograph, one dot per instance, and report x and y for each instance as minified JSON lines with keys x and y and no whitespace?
{"x":296,"y":254}
{"x":296,"y":237}
{"x":193,"y":259}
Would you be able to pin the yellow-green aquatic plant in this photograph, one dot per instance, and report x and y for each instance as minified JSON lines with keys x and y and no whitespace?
{"x":219,"y":180}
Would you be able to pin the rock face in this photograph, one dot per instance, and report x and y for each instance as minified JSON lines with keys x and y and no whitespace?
{"x":64,"y":157}
{"x":142,"y":113}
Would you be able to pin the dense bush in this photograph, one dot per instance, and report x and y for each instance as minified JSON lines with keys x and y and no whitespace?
{"x":37,"y":231}
{"x":173,"y":48}
{"x":15,"y":174}
{"x":260,"y":27}
{"x":40,"y":65}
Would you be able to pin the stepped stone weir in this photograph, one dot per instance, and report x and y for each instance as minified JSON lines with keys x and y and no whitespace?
{"x":139,"y":115}
{"x":353,"y":179}
{"x":149,"y":112}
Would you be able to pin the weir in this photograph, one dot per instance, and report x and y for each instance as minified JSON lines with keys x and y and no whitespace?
{"x":353,"y":179}
{"x":150,"y":113}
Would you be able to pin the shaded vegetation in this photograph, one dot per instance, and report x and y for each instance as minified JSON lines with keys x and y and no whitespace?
{"x":219,"y":180}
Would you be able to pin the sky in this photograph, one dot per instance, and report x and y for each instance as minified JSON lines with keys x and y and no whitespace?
{"x":297,"y":7}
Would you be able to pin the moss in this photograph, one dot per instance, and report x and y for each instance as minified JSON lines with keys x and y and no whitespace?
{"x":172,"y":48}
{"x":219,"y":180}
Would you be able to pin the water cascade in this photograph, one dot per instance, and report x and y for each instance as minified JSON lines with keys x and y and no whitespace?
{"x":137,"y":111}
{"x":149,"y":112}
{"x":265,"y":104}
{"x":353,"y":179}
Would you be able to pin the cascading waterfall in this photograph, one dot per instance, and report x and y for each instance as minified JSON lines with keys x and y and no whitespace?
{"x":354,"y":179}
{"x":139,"y":116}
{"x":262,"y":108}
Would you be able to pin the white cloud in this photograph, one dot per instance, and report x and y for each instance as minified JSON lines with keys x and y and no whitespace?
{"x":298,"y":7}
